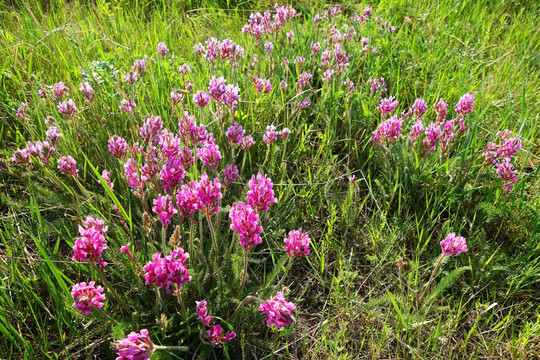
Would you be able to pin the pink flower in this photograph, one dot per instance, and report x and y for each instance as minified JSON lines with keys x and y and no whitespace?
{"x":245,"y":221}
{"x":202,"y":312}
{"x":230,"y":174}
{"x":465,"y":104}
{"x":419,"y":108}
{"x":283,"y":85}
{"x":433,"y":135}
{"x":87,"y":296}
{"x":132,"y":176}
{"x":169,"y":143}
{"x":453,"y":244}
{"x":187,"y":200}
{"x":21,"y":156}
{"x":186,"y":157}
{"x":417,"y":129}
{"x":260,"y":196}
{"x":505,"y":170}
{"x":278,"y":310}
{"x":297,"y":243}
{"x":201,"y":99}
{"x":162,"y":49}
{"x":302,"y":104}
{"x":216,"y":88}
{"x":127,"y":105}
{"x":284,"y":133}
{"x":290,"y":35}
{"x":163,"y":206}
{"x":172,"y":173}
{"x":87,"y":91}
{"x":328,"y":75}
{"x":176,"y":97}
{"x":53,"y":135}
{"x":67,"y":108}
{"x":247,"y":142}
{"x":150,"y":129}
{"x":106,"y":175}
{"x":216,"y":335}
{"x":137,"y":346}
{"x":125,"y":250}
{"x":509,"y":146}
{"x":91,"y":243}
{"x":235,"y":134}
{"x":168,"y":271}
{"x":268,"y":47}
{"x":270,"y":135}
{"x":315,"y":47}
{"x":131,"y":77}
{"x":377,"y":85}
{"x":440,"y":108}
{"x":387,"y":106}
{"x":262,"y":85}
{"x":184,"y":69}
{"x":22,"y":110}
{"x":490,"y":154}
{"x":389,"y":129}
{"x":209,"y":155}
{"x":208,"y":192}
{"x":60,"y":89}
{"x":118,"y":146}
{"x":66,"y":164}
{"x":303,"y":80}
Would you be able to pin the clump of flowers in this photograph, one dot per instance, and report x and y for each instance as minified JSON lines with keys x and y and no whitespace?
{"x":163,"y":206}
{"x":202,"y":312}
{"x":127,"y":105}
{"x":168,"y":271}
{"x":60,"y":89}
{"x":386,"y":106}
{"x":201,"y":99}
{"x":235,"y":134}
{"x":230,"y":174}
{"x":453,"y":244}
{"x":501,"y":156}
{"x":67,"y":164}
{"x":209,"y":155}
{"x":297,"y":243}
{"x":245,"y":221}
{"x":92,"y":242}
{"x":86,"y":296}
{"x":136,"y":346}
{"x":118,"y":146}
{"x":388,"y":130}
{"x":217,"y":336}
{"x":87,"y":91}
{"x":278,"y":310}
{"x":67,"y":108}
{"x":162,"y":49}
{"x":208,"y":193}
{"x":261,"y":194}
{"x":270,"y":134}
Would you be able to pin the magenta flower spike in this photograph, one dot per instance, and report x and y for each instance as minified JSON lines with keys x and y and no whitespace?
{"x":136,"y":346}
{"x":163,"y":206}
{"x":208,"y":193}
{"x":22,"y":110}
{"x":441,"y":109}
{"x":125,"y":250}
{"x":169,"y":143}
{"x":230,"y":174}
{"x":118,"y":146}
{"x":87,"y":91}
{"x":176,"y":97}
{"x":389,"y":129}
{"x":86,"y":296}
{"x":417,"y":129}
{"x":131,"y":77}
{"x":268,"y":47}
{"x":465,"y":104}
{"x":453,"y":245}
{"x":201,"y":99}
{"x":132,"y":175}
{"x":187,"y":200}
{"x":66,"y":164}
{"x":216,"y":88}
{"x":150,"y":129}
{"x":270,"y":134}
{"x":21,"y":156}
{"x":106,"y":175}
{"x":162,"y":49}
{"x":186,"y":158}
{"x":505,"y":171}
{"x":260,"y":195}
{"x":278,"y":310}
{"x":67,"y":108}
{"x":202,"y":312}
{"x":217,"y":338}
{"x":184,"y":69}
{"x":235,"y":134}
{"x":284,"y":133}
{"x":315,"y":47}
{"x":245,"y":221}
{"x":303,"y":104}
{"x":127,"y":105}
{"x":419,"y":108}
{"x":168,"y":271}
{"x":247,"y":142}
{"x":53,"y":135}
{"x":172,"y":173}
{"x":387,"y":105}
{"x":92,"y":242}
{"x":209,"y":155}
{"x":297,"y":243}
{"x":433,"y":135}
{"x":60,"y":89}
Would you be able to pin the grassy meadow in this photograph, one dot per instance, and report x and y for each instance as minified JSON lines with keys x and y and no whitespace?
{"x":374,"y":284}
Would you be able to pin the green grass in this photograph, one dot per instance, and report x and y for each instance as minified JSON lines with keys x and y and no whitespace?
{"x":353,"y":300}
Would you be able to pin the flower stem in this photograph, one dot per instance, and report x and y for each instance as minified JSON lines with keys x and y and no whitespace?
{"x":110,"y":288}
{"x":267,"y":154}
{"x":156,"y":308}
{"x":105,"y":315}
{"x":289,"y":263}
{"x":179,"y":348}
{"x":191,"y":238}
{"x":214,"y":241}
{"x":164,"y":239}
{"x":430,"y":280}
{"x":180,"y":301}
{"x":244,"y":276}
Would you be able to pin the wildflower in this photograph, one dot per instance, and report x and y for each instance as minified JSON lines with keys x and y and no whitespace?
{"x":235,"y":134}
{"x":465,"y":104}
{"x":67,"y":108}
{"x":208,"y":192}
{"x":139,"y":66}
{"x":419,"y":108}
{"x":137,"y":346}
{"x":169,"y":143}
{"x":509,"y":146}
{"x":131,"y":171}
{"x":490,"y":154}
{"x":504,"y":169}
{"x":245,"y":221}
{"x":262,"y":85}
{"x":150,"y":129}
{"x":118,"y":146}
{"x":453,"y":245}
{"x":21,"y":156}
{"x":87,"y":91}
{"x":268,"y":47}
{"x":433,"y":135}
{"x":127,"y":105}
{"x":86,"y":296}
{"x":60,"y":89}
{"x":303,"y":80}
{"x":186,"y":157}
{"x":216,"y":335}
{"x":34,"y":148}
{"x":387,"y":105}
{"x":230,"y":174}
{"x":46,"y":152}
{"x":247,"y":142}
{"x":325,"y":58}
{"x":176,"y":97}
{"x":125,"y":250}
{"x":315,"y":47}
{"x":172,"y":173}
{"x":187,"y":199}
{"x":201,"y":99}
{"x":270,"y":135}
{"x":328,"y":75}
{"x":163,"y":206}
{"x":66,"y":164}
{"x":349,"y":85}
{"x":106,"y":175}
{"x":284,"y":133}
{"x":131,"y":77}
{"x":162,"y":49}
{"x":260,"y":195}
{"x":297,"y":243}
{"x":290,"y":35}
{"x":168,"y":271}
{"x":232,"y":97}
{"x":417,"y":129}
{"x":389,"y":129}
{"x":92,"y":242}
{"x":216,"y":88}
{"x":441,"y":108}
{"x":278,"y":310}
{"x":22,"y":110}
{"x":209,"y":155}
{"x":302,"y":104}
{"x":202,"y":312}
{"x":184,"y":69}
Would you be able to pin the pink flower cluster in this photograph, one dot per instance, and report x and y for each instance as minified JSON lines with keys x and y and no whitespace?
{"x":216,"y":49}
{"x":297,"y":243}
{"x":230,"y":174}
{"x":163,"y":206}
{"x":278,"y":310}
{"x":453,"y":244}
{"x":67,"y":164}
{"x":245,"y":221}
{"x":168,"y":271}
{"x":118,"y":146}
{"x":386,"y":106}
{"x":223,"y":93}
{"x":202,"y":312}
{"x":266,"y":24}
{"x":136,"y":346}
{"x":92,"y":241}
{"x":217,"y":336}
{"x":67,"y":108}
{"x":388,"y":130}
{"x":87,"y":91}
{"x":501,"y":155}
{"x":260,"y":195}
{"x":87,"y":296}
{"x":262,"y":85}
